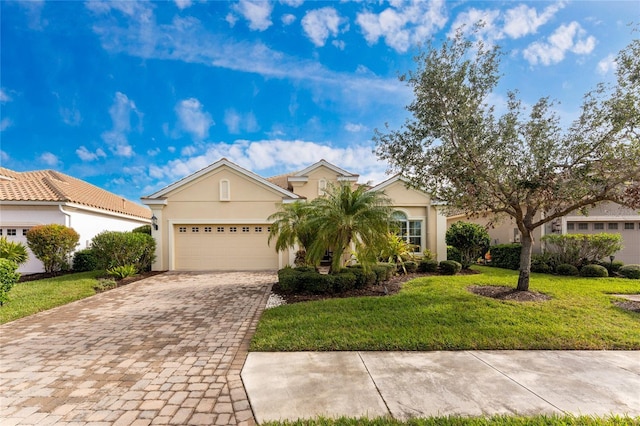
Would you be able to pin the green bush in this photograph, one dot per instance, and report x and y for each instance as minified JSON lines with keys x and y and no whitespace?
{"x":288,"y":280}
{"x":105,"y":284}
{"x":540,"y":263}
{"x":630,"y":271}
{"x":582,"y":249}
{"x":8,"y":277}
{"x":121,"y":272}
{"x":14,"y":251}
{"x":113,"y":249}
{"x":470,"y":239}
{"x":567,"y":270}
{"x":52,"y":245}
{"x":144,"y":229}
{"x":428,"y":265}
{"x":506,"y":256}
{"x":308,"y":280}
{"x":450,"y":267}
{"x":594,"y":270}
{"x":612,"y":267}
{"x":364,"y":277}
{"x":411,"y":266}
{"x":453,"y":254}
{"x":383,"y":271}
{"x":343,"y":281}
{"x":84,"y":260}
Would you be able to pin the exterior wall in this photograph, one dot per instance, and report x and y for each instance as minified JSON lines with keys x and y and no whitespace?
{"x":199,"y":202}
{"x":310,"y":188}
{"x":86,"y":223}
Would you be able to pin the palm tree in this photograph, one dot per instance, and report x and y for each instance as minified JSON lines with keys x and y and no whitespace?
{"x":13,"y":250}
{"x":289,"y":227}
{"x":344,"y":216}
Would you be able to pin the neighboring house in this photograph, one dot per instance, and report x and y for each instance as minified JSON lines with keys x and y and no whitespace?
{"x":605,"y":218}
{"x":217,"y":218}
{"x":44,"y":197}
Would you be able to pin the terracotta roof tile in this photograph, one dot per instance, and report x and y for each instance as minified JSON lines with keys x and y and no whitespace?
{"x":49,"y":185}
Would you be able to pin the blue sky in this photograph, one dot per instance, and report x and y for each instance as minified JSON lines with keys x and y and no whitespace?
{"x":132,"y":96}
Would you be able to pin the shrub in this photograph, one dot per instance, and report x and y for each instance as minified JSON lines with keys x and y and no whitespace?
{"x":428,"y":255}
{"x":364,"y":277}
{"x":120,"y":272}
{"x":288,"y":280}
{"x":582,"y":249}
{"x":13,"y":250}
{"x":84,"y":260}
{"x":411,"y":266}
{"x":428,"y":265}
{"x":612,"y":267}
{"x":567,"y":270}
{"x":113,"y":249}
{"x":450,"y":267}
{"x":594,"y":270}
{"x":345,"y":280}
{"x":8,"y":277}
{"x":470,"y":239}
{"x":105,"y":284}
{"x":630,"y":271}
{"x":453,"y":254}
{"x":52,"y":245}
{"x":540,"y":263}
{"x":506,"y":256}
{"x":144,"y":229}
{"x":383,"y":271}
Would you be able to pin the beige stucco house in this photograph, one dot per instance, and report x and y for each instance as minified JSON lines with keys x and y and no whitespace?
{"x":217,"y":218}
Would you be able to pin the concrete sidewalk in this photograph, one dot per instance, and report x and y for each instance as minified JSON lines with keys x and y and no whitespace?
{"x":289,"y":386}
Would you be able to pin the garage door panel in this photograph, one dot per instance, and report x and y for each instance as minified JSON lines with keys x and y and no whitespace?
{"x":223,"y":247}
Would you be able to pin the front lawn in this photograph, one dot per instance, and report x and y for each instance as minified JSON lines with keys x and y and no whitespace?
{"x":439,"y":313}
{"x":29,"y":297}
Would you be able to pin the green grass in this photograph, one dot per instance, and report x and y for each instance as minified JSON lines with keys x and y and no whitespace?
{"x":540,"y":420}
{"x":29,"y":297}
{"x":439,"y":313}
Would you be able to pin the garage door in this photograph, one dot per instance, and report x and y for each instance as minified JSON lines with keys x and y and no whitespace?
{"x":223,"y":247}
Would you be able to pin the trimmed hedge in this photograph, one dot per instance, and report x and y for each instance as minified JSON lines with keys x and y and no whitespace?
{"x":595,"y":271}
{"x":308,"y":280}
{"x":383,"y":271}
{"x":506,"y":256}
{"x":113,"y":249}
{"x":428,"y":265}
{"x":567,"y":270}
{"x":450,"y":267}
{"x":630,"y":271}
{"x":363,"y":278}
{"x":411,"y":266}
{"x":85,"y":260}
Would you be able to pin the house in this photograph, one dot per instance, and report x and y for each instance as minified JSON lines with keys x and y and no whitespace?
{"x":606,"y":217}
{"x":217,"y":218}
{"x":44,"y":197}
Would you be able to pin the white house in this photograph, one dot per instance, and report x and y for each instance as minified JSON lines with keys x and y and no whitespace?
{"x":44,"y":197}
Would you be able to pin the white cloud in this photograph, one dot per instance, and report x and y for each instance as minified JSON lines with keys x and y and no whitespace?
{"x":523,"y":20}
{"x":237,"y":123}
{"x":4,"y":96}
{"x":403,"y":24}
{"x":288,"y":19}
{"x":121,"y":112}
{"x":354,"y":128}
{"x":340,"y":44}
{"x":292,"y":3}
{"x":257,"y":12}
{"x":320,"y":24}
{"x":183,"y":4}
{"x":567,"y":38}
{"x":231,"y":19}
{"x":4,"y":157}
{"x":85,"y":155}
{"x":467,"y":20}
{"x":71,"y":116}
{"x":5,"y":123}
{"x":607,"y":64}
{"x":192,"y":118}
{"x":49,"y":159}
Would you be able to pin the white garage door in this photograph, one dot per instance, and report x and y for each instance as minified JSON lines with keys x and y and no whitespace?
{"x":223,"y":248}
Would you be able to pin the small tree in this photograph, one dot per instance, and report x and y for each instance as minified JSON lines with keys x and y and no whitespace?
{"x":52,"y":245}
{"x":114,"y":249}
{"x":581,"y":249}
{"x":521,"y":164}
{"x":13,"y":250}
{"x":471,"y":241}
{"x":290,"y":227}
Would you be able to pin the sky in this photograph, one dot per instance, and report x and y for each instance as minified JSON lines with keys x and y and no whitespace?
{"x":132,"y":96}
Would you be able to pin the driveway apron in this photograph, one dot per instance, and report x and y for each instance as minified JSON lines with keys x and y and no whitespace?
{"x":165,"y":350}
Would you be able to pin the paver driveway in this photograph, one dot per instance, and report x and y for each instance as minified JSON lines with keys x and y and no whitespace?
{"x":164,"y":350}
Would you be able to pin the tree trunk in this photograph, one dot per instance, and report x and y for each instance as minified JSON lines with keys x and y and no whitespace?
{"x":525,"y":262}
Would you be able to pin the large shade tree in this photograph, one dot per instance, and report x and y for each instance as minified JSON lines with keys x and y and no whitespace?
{"x":520,"y":163}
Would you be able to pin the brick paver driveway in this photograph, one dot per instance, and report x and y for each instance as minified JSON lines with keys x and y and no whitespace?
{"x":164,"y":350}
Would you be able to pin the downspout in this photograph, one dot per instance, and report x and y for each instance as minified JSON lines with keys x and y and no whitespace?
{"x":67,"y":220}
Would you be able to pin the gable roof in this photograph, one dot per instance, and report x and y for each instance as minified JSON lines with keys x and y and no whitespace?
{"x":53,"y":186}
{"x":220,"y":163}
{"x":343,"y":174}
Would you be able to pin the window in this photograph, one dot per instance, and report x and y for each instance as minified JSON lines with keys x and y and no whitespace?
{"x":583,"y":226}
{"x":598,"y":226}
{"x":612,"y":226}
{"x":258,"y":229}
{"x":322,"y":187}
{"x":225,"y":190}
{"x":570,"y":226}
{"x":245,"y":229}
{"x":629,"y":225}
{"x":207,"y":229}
{"x":233,"y":229}
{"x":195,"y":229}
{"x":0,"y":231}
{"x":409,"y":230}
{"x":182,"y":229}
{"x":220,"y":229}
{"x":11,"y":232}
{"x":268,"y":229}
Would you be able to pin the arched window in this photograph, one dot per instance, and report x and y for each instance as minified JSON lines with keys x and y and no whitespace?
{"x":409,"y":230}
{"x":225,"y":190}
{"x":322,"y":187}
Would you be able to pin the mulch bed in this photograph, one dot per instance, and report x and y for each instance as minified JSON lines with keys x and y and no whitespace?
{"x":628,"y":305}
{"x":508,"y":293}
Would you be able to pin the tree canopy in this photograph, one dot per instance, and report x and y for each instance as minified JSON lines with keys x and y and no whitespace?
{"x":519,"y":163}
